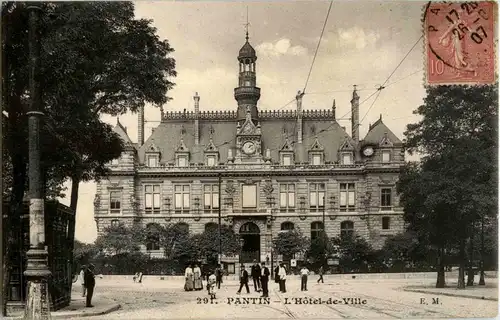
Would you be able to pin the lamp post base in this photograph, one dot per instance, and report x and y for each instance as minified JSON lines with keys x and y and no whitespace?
{"x":38,"y":299}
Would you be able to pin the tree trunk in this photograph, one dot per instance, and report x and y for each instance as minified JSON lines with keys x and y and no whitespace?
{"x":75,"y":185}
{"x":441,"y":280}
{"x":470,"y":271}
{"x":461,"y":269}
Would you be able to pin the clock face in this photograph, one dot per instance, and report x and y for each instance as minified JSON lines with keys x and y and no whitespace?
{"x":368,"y":151}
{"x":249,"y":147}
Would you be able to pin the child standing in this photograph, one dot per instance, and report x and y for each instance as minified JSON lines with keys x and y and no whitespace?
{"x":212,"y":279}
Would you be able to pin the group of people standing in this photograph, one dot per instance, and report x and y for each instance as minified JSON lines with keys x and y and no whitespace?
{"x":260,"y":275}
{"x":193,"y":278}
{"x":86,"y":277}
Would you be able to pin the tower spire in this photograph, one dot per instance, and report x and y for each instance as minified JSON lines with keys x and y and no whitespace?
{"x":246,"y":27}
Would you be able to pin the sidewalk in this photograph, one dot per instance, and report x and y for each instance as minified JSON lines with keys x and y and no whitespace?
{"x":77,"y":308}
{"x":487,"y":292}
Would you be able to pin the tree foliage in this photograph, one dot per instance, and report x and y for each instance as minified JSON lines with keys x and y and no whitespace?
{"x":119,"y":239}
{"x":290,"y":242}
{"x":454,"y":185}
{"x":95,"y":58}
{"x":355,"y":253}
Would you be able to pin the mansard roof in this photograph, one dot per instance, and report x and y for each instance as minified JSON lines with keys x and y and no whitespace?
{"x":378,"y":132}
{"x":321,"y":126}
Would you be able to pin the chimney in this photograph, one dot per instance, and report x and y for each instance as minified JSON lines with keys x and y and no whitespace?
{"x":140,"y":134}
{"x":355,"y":115}
{"x":196,"y":116}
{"x":333,"y":109}
{"x":299,"y":116}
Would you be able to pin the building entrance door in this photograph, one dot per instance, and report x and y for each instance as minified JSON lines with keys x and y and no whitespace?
{"x":250,"y":235}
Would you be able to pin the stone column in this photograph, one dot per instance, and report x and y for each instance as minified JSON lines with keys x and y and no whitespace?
{"x":37,"y":271}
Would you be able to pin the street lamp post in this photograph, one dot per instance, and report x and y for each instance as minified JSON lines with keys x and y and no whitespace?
{"x":37,"y":271}
{"x":220,"y":220}
{"x":242,"y":243}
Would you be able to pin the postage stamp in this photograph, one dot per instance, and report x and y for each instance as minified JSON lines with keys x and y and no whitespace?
{"x":460,"y":42}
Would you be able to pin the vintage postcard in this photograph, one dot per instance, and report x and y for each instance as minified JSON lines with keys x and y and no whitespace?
{"x":249,"y":160}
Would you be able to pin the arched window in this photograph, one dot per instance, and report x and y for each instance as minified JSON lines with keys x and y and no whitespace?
{"x":287,"y":226}
{"x":115,"y":223}
{"x":182,"y":226}
{"x":316,"y":229}
{"x":346,"y":229}
{"x":211,"y":227}
{"x":152,"y":237}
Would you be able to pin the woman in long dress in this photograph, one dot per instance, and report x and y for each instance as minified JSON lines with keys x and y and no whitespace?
{"x":189,"y":284}
{"x":198,"y":283}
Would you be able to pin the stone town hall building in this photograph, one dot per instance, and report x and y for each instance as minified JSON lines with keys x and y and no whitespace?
{"x":279,"y":170}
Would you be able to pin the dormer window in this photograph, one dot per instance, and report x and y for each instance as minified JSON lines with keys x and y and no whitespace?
{"x":182,"y":161}
{"x":386,"y":156}
{"x":286,"y":159}
{"x":152,"y":156}
{"x":346,"y":158}
{"x":211,"y":160}
{"x":316,"y":159}
{"x":152,"y":160}
{"x":316,"y":155}
{"x":182,"y":154}
{"x":211,"y":152}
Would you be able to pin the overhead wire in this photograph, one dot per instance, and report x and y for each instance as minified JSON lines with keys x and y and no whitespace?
{"x":317,"y":47}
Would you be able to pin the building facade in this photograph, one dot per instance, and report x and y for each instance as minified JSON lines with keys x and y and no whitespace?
{"x":265,"y":171}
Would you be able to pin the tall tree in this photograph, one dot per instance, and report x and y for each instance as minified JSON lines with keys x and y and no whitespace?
{"x":455,"y":182}
{"x":95,"y":58}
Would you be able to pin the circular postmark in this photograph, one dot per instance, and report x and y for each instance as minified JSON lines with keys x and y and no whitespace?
{"x":460,"y":42}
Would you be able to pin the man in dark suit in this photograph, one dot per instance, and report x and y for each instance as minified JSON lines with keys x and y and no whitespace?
{"x":243,"y":279}
{"x":264,"y":280}
{"x":218,"y":276}
{"x":89,"y":284}
{"x":256,"y":276}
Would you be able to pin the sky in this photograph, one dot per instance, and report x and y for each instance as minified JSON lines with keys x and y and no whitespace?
{"x":363,"y":43}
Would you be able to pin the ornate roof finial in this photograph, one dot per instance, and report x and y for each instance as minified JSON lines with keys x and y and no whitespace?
{"x":333,"y":107}
{"x":246,"y":27}
{"x":380,"y":117}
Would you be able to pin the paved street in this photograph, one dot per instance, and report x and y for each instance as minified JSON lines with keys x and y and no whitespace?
{"x":157,"y":299}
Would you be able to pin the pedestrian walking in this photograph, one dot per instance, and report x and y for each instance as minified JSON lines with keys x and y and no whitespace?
{"x":264,"y":280}
{"x":81,"y":279}
{"x":218,"y":276}
{"x":89,"y":277}
{"x":243,"y":279}
{"x":304,"y":272}
{"x":256,"y":276}
{"x":320,"y":272}
{"x":282,"y":276}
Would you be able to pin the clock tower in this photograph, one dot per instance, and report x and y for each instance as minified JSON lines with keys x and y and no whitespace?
{"x":248,"y":132}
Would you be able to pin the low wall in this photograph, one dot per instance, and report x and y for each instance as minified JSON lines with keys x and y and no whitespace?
{"x":395,"y":276}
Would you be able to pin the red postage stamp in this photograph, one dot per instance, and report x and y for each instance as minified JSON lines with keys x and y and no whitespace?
{"x":460,"y":42}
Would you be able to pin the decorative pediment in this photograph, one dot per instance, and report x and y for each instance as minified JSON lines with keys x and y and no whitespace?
{"x":211,"y":147}
{"x":287,"y":146}
{"x":316,"y":146}
{"x":153,"y":148}
{"x":385,"y":141}
{"x":347,"y":145}
{"x":385,"y":180}
{"x":182,"y":147}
